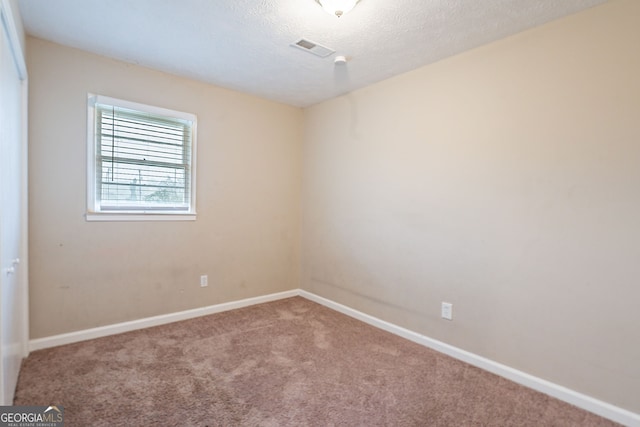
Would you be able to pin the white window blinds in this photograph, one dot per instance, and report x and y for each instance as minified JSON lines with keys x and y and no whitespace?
{"x":143,"y":159}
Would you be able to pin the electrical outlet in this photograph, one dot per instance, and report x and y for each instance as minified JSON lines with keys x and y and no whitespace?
{"x":204,"y":281}
{"x":447,"y":311}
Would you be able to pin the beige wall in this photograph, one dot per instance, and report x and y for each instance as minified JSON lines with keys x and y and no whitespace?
{"x":88,"y":274}
{"x":506,"y":181}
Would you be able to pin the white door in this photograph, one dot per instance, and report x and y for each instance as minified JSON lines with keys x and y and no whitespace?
{"x":12,"y":295}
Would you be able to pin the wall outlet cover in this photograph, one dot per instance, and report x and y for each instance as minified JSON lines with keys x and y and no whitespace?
{"x":447,"y":311}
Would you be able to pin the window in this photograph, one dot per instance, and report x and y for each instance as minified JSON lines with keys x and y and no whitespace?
{"x":141,"y":161}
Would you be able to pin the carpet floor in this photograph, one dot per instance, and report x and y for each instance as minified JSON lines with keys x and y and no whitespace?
{"x":286,"y":363}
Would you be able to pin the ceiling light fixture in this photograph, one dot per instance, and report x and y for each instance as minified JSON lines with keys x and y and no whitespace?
{"x":337,"y":7}
{"x":340,"y":60}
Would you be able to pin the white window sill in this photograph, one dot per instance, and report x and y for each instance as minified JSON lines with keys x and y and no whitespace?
{"x":142,"y":216}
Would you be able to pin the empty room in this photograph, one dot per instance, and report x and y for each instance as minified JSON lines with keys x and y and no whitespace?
{"x":320,"y":212}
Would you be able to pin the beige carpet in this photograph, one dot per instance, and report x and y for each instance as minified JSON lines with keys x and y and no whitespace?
{"x":286,"y":363}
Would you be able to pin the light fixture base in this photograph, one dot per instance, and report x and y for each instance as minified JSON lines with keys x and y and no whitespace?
{"x":337,"y":7}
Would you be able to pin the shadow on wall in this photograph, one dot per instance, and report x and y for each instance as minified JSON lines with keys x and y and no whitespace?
{"x":341,"y":82}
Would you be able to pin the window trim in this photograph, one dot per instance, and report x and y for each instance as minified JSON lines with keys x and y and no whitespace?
{"x":93,"y":212}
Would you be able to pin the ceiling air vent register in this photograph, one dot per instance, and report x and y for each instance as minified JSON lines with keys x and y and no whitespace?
{"x":313,"y":47}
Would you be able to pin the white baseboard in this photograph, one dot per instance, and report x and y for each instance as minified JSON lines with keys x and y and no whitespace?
{"x":580,"y":400}
{"x":118,"y":328}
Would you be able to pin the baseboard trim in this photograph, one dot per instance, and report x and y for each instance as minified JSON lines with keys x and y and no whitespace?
{"x":565,"y":394}
{"x":118,"y":328}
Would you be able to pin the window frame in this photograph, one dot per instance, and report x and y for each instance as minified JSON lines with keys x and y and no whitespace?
{"x":94,"y":211}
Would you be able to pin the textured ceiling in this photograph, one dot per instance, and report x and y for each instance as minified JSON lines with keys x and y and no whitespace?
{"x":245,"y":44}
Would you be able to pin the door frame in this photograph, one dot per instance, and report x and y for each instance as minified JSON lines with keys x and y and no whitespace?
{"x":9,"y":13}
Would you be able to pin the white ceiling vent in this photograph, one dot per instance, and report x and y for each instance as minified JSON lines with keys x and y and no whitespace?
{"x":312,"y":47}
